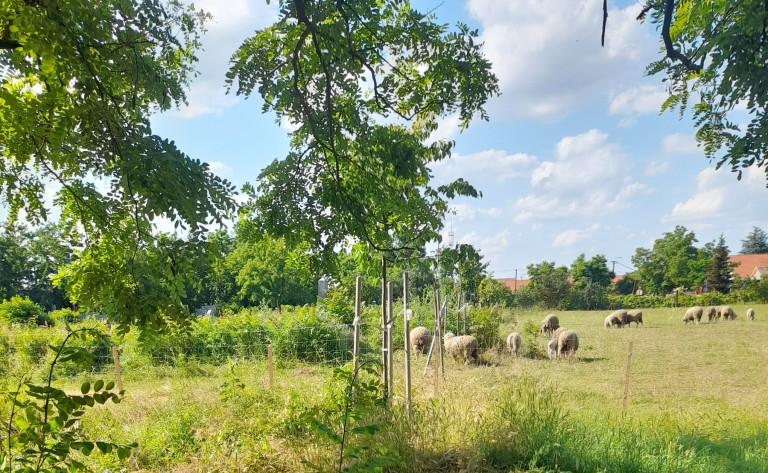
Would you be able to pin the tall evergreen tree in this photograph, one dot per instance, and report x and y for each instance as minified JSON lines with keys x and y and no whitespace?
{"x":719,"y":272}
{"x":755,"y":243}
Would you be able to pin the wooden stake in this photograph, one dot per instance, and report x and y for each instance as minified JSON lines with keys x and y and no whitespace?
{"x":356,"y":324}
{"x":116,"y":360}
{"x":626,"y":379}
{"x":390,"y":339}
{"x":269,"y":365}
{"x":407,"y":332}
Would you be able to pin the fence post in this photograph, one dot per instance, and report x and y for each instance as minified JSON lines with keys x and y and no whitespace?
{"x":458,"y":313}
{"x":390,"y":338}
{"x":116,"y":361}
{"x":384,"y":374}
{"x":269,"y":366}
{"x":626,"y":379}
{"x":407,"y":332}
{"x":463,"y":298}
{"x":356,"y":325}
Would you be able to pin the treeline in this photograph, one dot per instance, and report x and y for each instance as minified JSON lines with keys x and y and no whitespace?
{"x":672,"y":272}
{"x":245,"y":269}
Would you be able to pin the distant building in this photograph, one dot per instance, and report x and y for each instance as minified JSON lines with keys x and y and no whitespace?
{"x":514,"y":284}
{"x":750,"y":266}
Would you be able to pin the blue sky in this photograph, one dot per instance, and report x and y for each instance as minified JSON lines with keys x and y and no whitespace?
{"x":575,"y":158}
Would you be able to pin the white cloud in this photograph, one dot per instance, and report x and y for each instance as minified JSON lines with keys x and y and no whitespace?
{"x":490,"y":166}
{"x":640,"y":100}
{"x":220,"y":169}
{"x":232,"y":22}
{"x":548,"y":57}
{"x":491,"y":247}
{"x":466,"y":212}
{"x":654,"y":168}
{"x":679,"y":143}
{"x":589,"y":176}
{"x":447,"y":128}
{"x":709,"y":200}
{"x":462,"y":212}
{"x":571,"y":237}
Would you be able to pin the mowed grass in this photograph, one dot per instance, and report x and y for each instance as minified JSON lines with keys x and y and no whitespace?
{"x":697,"y":402}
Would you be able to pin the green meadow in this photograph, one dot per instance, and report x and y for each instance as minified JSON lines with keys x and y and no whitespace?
{"x":696,"y":401}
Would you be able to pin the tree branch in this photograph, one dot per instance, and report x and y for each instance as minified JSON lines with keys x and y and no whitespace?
{"x":9,"y":44}
{"x":672,"y":53}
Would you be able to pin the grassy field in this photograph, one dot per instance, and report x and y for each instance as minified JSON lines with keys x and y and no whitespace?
{"x":697,"y":402}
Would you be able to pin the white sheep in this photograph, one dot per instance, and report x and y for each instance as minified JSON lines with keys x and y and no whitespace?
{"x":635,"y":316}
{"x":420,"y":339}
{"x":567,"y":344}
{"x":464,"y":345}
{"x":711,"y":313}
{"x":549,"y":324}
{"x":551,"y":346}
{"x":726,"y":312}
{"x":693,"y":314}
{"x":750,"y":314}
{"x":514,"y":342}
{"x":615,"y":319}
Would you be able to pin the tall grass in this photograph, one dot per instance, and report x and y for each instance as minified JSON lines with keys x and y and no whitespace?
{"x":696,"y":404}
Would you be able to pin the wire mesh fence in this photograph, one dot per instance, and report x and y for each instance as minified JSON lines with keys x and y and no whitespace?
{"x":322,"y":344}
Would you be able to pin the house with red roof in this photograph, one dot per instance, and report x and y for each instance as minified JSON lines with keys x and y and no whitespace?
{"x":750,"y":266}
{"x":514,"y":284}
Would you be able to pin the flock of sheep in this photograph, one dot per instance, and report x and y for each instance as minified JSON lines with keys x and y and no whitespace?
{"x":696,"y":313}
{"x":563,"y":342}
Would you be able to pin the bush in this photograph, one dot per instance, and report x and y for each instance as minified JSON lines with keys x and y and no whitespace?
{"x":485,"y":322}
{"x":62,"y":316}
{"x":21,"y":310}
{"x":337,"y":304}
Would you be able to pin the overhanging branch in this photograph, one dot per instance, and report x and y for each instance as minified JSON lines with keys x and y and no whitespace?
{"x":672,"y":53}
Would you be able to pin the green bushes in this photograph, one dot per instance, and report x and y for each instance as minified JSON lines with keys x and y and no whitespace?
{"x":21,"y":310}
{"x":683,"y":300}
{"x":295,"y":333}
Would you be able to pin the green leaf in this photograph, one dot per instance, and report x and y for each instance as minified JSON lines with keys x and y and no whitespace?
{"x":85,"y":387}
{"x":98,"y":385}
{"x":104,"y":447}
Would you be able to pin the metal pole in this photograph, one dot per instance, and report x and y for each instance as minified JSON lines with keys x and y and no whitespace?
{"x":384,"y":374}
{"x":390,"y":348}
{"x":407,"y":331}
{"x":626,"y":379}
{"x":356,"y":324}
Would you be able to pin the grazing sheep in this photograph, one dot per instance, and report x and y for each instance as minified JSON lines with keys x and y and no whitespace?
{"x":514,"y":342}
{"x":635,"y":316}
{"x":711,"y":313}
{"x":549,"y":324}
{"x":726,"y":312}
{"x":693,"y":314}
{"x":464,"y":345}
{"x":551,"y":345}
{"x":567,"y":344}
{"x":615,"y":319}
{"x":750,"y":314}
{"x":557,"y":332}
{"x":420,"y":339}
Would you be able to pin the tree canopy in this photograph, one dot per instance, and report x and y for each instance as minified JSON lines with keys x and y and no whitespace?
{"x":364,"y":84}
{"x":715,"y":56}
{"x":719,"y":270}
{"x":755,"y":243}
{"x":79,"y":81}
{"x":673,"y":262}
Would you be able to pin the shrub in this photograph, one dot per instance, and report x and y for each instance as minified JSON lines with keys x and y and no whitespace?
{"x":21,"y":310}
{"x":485,"y":326}
{"x":65,"y":316}
{"x":335,"y":302}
